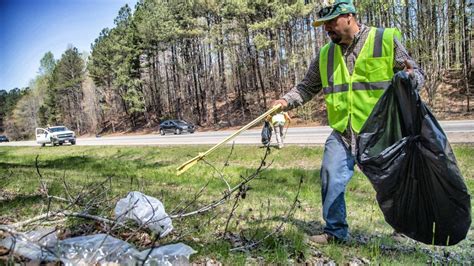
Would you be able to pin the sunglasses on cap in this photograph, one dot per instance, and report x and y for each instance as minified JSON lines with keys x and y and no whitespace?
{"x":325,"y":11}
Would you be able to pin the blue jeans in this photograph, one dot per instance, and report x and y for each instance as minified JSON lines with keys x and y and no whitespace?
{"x":336,"y":171}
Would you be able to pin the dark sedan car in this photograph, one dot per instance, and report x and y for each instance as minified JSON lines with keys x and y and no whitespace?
{"x":4,"y":138}
{"x":176,"y":127}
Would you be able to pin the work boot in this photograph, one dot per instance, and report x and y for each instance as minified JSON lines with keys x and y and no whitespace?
{"x":322,"y":239}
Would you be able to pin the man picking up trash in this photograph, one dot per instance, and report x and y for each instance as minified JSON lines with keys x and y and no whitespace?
{"x":353,"y":70}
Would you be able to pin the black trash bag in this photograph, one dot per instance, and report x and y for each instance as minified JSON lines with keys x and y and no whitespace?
{"x":405,"y":153}
{"x":266,"y":133}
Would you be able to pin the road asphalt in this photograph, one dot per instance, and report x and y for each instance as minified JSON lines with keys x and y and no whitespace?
{"x":461,"y":131}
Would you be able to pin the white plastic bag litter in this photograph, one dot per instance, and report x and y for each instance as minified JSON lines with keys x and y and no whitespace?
{"x":145,"y":210}
{"x":96,"y":249}
{"x":99,"y":249}
{"x":104,"y":249}
{"x":35,"y":245}
{"x":173,"y":254}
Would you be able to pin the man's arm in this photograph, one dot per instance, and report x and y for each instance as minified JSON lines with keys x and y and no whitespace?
{"x":404,"y":62}
{"x":305,"y":90}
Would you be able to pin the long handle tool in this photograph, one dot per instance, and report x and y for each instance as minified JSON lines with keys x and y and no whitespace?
{"x":185,"y":166}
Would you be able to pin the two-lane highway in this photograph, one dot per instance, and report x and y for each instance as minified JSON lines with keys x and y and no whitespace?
{"x":457,"y":131}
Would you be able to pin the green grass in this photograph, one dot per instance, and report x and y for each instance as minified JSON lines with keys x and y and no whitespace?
{"x":151,"y":170}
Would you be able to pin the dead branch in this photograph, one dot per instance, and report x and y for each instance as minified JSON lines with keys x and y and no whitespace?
{"x":199,"y":193}
{"x":198,"y":227}
{"x":43,"y":188}
{"x":64,"y":213}
{"x":34,"y":219}
{"x":196,"y":197}
{"x":66,"y":188}
{"x":234,"y":207}
{"x":97,"y":218}
{"x":226,"y":163}
{"x":223,"y":199}
{"x":280,"y":226}
{"x":58,"y":198}
{"x":218,"y":172}
{"x":151,"y":249}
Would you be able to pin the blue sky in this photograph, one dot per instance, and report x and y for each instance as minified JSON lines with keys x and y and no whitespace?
{"x":30,"y":28}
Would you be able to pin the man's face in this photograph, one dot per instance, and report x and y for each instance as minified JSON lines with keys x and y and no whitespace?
{"x":338,"y":29}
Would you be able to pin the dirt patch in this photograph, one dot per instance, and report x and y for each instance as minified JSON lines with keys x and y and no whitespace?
{"x":450,"y":103}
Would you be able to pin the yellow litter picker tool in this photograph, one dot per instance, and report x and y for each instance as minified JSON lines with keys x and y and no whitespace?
{"x":185,"y":166}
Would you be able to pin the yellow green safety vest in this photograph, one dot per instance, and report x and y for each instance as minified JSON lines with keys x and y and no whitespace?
{"x":355,"y":95}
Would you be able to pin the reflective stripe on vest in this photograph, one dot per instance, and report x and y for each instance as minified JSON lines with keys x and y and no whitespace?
{"x":355,"y":95}
{"x":357,"y":86}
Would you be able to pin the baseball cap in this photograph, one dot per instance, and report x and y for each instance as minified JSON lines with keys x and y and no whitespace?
{"x":339,"y":7}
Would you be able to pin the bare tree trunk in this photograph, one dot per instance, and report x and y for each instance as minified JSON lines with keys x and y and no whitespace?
{"x":170,"y":94}
{"x":262,"y":84}
{"x":222,"y":75}
{"x":193,"y":86}
{"x":177,"y":83}
{"x":467,"y":34}
{"x":202,"y":77}
{"x":250,"y":59}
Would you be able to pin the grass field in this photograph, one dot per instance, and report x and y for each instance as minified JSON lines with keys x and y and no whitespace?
{"x":112,"y":172}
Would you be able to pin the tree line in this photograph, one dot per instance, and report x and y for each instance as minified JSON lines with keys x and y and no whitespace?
{"x":217,"y":62}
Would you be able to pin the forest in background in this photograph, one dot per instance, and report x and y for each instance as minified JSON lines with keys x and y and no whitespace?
{"x":218,"y":63}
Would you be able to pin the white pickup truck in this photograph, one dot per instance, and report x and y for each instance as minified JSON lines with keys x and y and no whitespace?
{"x":55,"y":136}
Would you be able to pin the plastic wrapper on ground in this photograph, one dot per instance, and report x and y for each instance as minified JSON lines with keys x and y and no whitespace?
{"x":103,"y":249}
{"x":35,"y":245}
{"x":100,"y":249}
{"x":144,"y":210}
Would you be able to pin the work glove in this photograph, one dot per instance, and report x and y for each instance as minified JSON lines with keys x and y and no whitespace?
{"x":407,"y":76}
